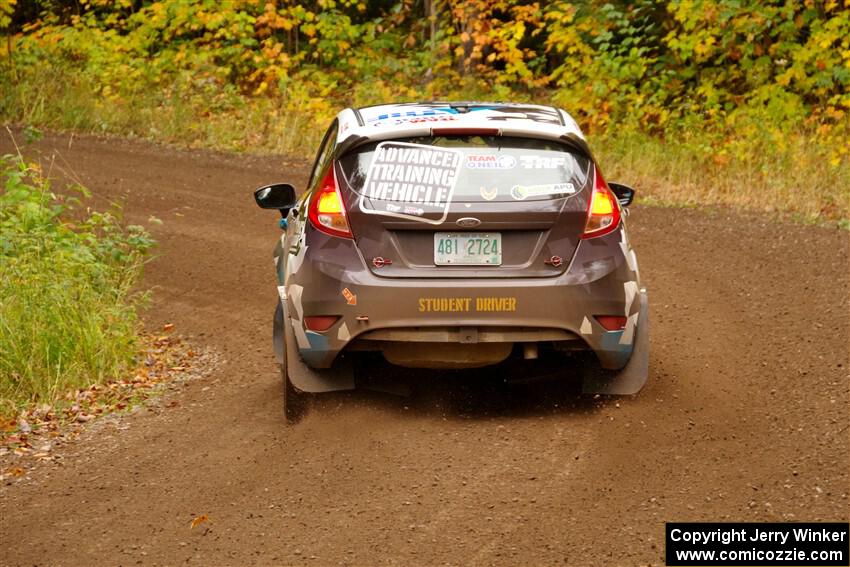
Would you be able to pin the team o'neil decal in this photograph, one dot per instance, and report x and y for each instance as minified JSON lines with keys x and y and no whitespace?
{"x":411,"y":181}
{"x":490,"y":161}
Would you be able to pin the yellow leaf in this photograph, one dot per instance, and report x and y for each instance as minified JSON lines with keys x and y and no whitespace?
{"x":198,"y":521}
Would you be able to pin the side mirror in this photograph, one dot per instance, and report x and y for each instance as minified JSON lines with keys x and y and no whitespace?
{"x":280,"y":196}
{"x":624,"y":193}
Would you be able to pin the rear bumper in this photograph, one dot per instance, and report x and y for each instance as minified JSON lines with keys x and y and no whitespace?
{"x":330,"y":278}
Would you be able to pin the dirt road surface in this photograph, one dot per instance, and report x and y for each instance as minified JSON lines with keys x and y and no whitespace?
{"x":745,"y":416}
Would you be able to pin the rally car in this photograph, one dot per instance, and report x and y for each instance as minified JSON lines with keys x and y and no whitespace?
{"x":456,"y":235}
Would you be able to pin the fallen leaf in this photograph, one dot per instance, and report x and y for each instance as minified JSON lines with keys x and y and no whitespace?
{"x":196,"y":522}
{"x":17,"y":471}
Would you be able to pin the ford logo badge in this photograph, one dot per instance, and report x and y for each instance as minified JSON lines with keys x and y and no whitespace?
{"x":468,"y":222}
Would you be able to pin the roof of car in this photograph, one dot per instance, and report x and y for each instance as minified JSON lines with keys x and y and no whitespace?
{"x":387,"y":121}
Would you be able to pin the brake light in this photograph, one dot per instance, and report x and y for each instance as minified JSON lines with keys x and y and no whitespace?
{"x":327,"y":211}
{"x":466,"y":131}
{"x":603,"y":213}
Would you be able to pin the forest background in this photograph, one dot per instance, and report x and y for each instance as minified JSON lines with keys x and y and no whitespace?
{"x":694,"y":103}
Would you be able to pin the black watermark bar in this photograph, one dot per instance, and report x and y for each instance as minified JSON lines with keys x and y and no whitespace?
{"x":763,"y":544}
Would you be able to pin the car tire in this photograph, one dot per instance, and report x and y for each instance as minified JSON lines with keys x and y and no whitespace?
{"x":295,"y":402}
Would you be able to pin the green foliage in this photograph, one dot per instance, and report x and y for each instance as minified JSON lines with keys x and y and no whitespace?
{"x":7,"y":8}
{"x":67,"y":305}
{"x":741,"y":85}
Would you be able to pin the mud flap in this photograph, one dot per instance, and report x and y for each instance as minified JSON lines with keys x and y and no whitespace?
{"x":631,"y":379}
{"x":302,"y":377}
{"x":306,"y":379}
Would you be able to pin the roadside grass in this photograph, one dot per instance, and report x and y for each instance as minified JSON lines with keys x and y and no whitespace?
{"x":748,"y":165}
{"x":795,"y":179}
{"x":68,"y":305}
{"x":185,"y":113}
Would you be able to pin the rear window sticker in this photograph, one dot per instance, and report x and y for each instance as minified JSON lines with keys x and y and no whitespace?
{"x":411,"y":181}
{"x":542,"y":162}
{"x":520,"y":192}
{"x":490,"y":161}
{"x":489,"y":194}
{"x":407,"y":210}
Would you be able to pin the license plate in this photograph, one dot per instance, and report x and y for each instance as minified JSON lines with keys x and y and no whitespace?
{"x":468,"y":248}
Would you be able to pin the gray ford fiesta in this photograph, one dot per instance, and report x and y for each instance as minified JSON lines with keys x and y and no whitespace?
{"x":456,"y":235}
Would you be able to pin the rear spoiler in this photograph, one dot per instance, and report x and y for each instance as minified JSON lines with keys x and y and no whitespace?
{"x":572,"y":141}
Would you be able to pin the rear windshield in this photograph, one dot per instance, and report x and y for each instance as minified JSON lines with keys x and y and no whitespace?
{"x":480,"y":168}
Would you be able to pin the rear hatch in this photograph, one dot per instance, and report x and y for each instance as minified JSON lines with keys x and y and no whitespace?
{"x":465,"y":206}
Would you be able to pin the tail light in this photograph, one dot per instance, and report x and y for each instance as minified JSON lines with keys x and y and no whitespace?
{"x":327,"y":211}
{"x":603,"y":214}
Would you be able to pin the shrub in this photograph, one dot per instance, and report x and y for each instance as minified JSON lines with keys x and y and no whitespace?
{"x":758,"y":90}
{"x":67,"y":300}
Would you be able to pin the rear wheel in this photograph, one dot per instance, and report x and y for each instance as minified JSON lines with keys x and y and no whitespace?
{"x":294,"y":401}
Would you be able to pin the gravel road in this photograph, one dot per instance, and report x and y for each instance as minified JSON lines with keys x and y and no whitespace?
{"x":745,"y":416}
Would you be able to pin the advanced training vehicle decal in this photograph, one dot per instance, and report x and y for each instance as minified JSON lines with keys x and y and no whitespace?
{"x":411,"y":181}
